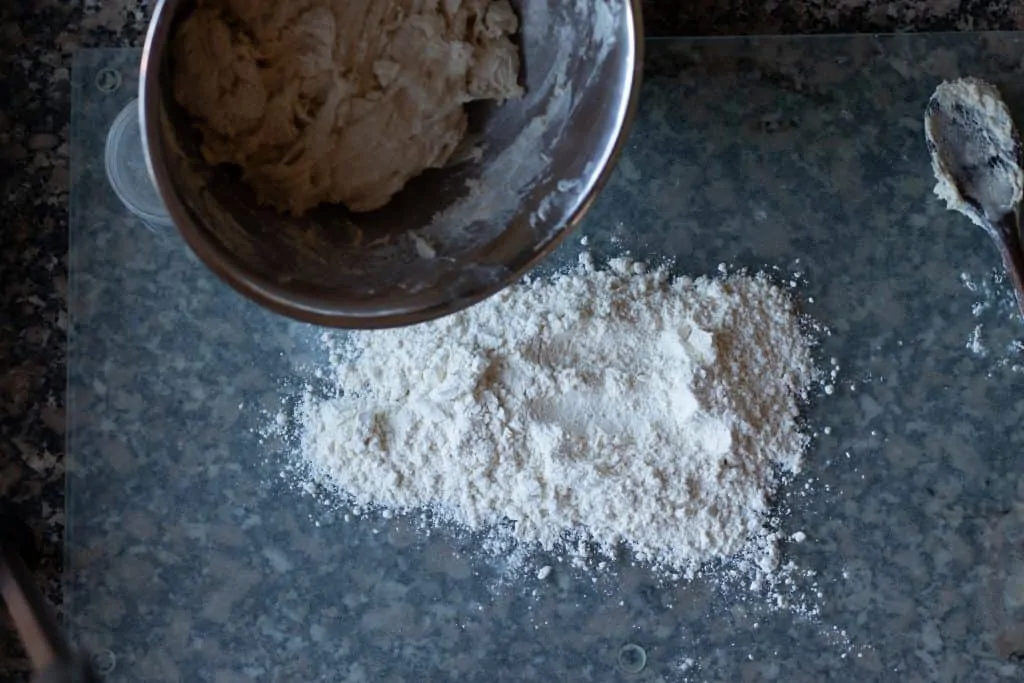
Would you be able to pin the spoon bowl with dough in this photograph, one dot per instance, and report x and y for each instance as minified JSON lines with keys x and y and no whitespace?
{"x":976,"y":157}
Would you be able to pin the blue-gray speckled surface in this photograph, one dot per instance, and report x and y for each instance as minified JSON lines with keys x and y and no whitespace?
{"x":190,"y":559}
{"x":37,"y":39}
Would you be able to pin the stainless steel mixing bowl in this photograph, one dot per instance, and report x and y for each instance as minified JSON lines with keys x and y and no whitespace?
{"x":453,"y":236}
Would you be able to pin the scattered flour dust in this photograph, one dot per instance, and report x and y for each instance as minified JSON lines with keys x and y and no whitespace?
{"x":601,"y":408}
{"x":994,"y":307}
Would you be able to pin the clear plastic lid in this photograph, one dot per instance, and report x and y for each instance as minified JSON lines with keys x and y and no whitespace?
{"x":127,"y":172}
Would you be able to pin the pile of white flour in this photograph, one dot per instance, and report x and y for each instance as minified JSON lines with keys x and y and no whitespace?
{"x":615,"y":406}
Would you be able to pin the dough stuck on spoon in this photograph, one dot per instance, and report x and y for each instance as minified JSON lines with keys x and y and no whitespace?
{"x":339,"y":101}
{"x":976,"y":158}
{"x":975,"y":150}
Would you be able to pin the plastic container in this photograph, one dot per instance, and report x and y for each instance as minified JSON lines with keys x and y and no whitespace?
{"x":127,"y":172}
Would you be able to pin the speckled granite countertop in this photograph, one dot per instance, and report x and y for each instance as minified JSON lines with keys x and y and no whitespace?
{"x":37,"y":39}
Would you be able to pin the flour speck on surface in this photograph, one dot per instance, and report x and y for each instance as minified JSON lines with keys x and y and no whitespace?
{"x":974,"y":344}
{"x":600,"y":409}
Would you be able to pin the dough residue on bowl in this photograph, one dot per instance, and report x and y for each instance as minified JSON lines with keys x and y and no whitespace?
{"x":340,"y":101}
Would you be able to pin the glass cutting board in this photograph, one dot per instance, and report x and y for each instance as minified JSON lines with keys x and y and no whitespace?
{"x":191,"y":559}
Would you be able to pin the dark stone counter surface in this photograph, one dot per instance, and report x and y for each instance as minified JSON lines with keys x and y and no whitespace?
{"x":37,"y":40}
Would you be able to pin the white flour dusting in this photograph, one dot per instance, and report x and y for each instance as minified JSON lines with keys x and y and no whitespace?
{"x":996,"y":330}
{"x":609,"y":408}
{"x":974,"y":343}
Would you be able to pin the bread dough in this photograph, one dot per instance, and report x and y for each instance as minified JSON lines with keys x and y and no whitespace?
{"x":339,"y":100}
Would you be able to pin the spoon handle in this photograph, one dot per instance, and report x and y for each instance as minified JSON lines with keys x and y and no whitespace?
{"x":1007,"y":234}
